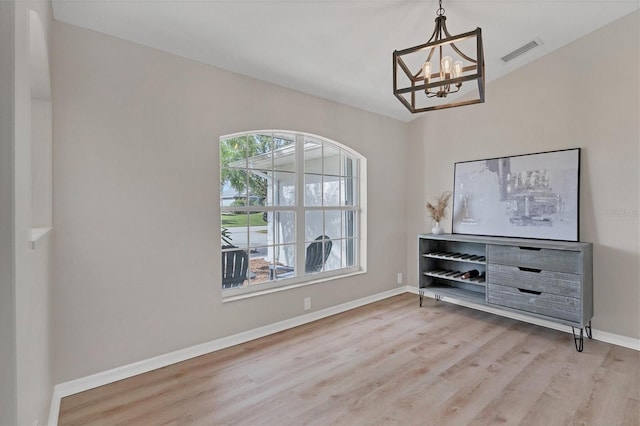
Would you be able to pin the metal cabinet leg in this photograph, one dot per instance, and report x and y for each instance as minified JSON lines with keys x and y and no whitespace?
{"x":421,"y":294}
{"x":578,"y":341}
{"x":587,"y":328}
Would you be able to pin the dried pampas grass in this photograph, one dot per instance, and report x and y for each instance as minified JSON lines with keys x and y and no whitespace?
{"x":438,"y":210}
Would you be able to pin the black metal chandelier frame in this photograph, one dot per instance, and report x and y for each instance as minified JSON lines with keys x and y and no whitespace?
{"x":421,"y":86}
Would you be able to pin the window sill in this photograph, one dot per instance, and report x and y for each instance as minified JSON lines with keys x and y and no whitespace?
{"x":255,"y":293}
{"x":37,"y":234}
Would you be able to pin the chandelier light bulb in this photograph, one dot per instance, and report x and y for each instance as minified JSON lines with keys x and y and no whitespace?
{"x":426,"y":72}
{"x":445,"y":67}
{"x":457,"y":69}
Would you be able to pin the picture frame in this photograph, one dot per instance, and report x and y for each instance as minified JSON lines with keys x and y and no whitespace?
{"x":522,"y":196}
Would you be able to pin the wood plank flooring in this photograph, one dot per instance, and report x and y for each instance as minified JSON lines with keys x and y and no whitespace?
{"x":388,"y":363}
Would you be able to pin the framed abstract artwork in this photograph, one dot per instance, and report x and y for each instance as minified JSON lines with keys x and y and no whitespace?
{"x":524,"y":196}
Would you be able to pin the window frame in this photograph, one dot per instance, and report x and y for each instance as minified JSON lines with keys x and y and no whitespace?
{"x":300,"y":210}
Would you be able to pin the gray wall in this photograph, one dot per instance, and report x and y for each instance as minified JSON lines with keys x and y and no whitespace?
{"x":137,"y":252}
{"x":25,"y":367}
{"x":558,"y":101}
{"x":8,"y":407}
{"x":32,"y":265}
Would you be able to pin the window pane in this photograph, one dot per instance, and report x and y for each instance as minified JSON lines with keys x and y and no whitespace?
{"x":334,"y":260}
{"x":312,"y":156}
{"x":333,"y":224}
{"x":233,"y":184}
{"x":349,"y":166}
{"x":349,"y":191}
{"x":285,"y":228}
{"x":269,"y":196}
{"x":284,"y":188}
{"x":331,"y":191}
{"x":316,"y":255}
{"x":349,"y":223}
{"x":349,"y":253}
{"x":258,"y":231}
{"x":237,"y":231}
{"x":233,"y":152}
{"x":331,"y":160}
{"x":258,"y":188}
{"x":313,"y":225}
{"x":259,"y":266}
{"x":285,"y":260}
{"x":312,"y":190}
{"x":234,"y":268}
{"x":260,"y":152}
{"x":284,"y":153}
{"x":259,"y":163}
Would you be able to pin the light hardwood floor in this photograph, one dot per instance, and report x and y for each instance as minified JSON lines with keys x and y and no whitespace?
{"x":388,"y":363}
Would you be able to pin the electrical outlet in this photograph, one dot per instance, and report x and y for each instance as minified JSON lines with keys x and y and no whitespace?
{"x":307,"y":303}
{"x":399,"y":277}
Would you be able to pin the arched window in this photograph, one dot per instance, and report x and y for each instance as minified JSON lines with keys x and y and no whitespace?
{"x":290,"y":209}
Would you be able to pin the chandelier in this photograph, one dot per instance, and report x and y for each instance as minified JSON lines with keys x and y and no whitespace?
{"x":440,"y":69}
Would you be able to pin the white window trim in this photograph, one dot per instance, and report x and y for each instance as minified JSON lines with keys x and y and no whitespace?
{"x":288,"y":284}
{"x":302,"y":279}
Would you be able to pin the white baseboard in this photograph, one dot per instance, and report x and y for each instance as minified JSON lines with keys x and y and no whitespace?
{"x":99,"y":379}
{"x":616,"y":339}
{"x":603,"y":336}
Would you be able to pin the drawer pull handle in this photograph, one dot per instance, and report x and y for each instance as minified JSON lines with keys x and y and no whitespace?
{"x":530,"y":248}
{"x":537,"y":271}
{"x":524,"y":290}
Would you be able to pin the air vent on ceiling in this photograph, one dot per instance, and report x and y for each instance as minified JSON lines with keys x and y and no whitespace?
{"x":521,"y":50}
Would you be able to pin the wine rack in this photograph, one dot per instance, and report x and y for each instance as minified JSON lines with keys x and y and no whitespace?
{"x":444,"y":263}
{"x":461,"y":257}
{"x":455,"y":276}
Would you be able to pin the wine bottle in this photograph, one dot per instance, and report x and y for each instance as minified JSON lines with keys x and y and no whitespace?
{"x":470,"y":274}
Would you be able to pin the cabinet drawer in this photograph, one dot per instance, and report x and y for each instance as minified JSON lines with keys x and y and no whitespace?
{"x":544,"y":259}
{"x":560,"y":283}
{"x":552,"y":305}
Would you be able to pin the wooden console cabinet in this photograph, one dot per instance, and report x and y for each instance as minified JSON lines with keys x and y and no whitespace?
{"x":549,"y":280}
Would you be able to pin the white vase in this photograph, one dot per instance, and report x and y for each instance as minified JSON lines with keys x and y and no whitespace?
{"x":437,"y":230}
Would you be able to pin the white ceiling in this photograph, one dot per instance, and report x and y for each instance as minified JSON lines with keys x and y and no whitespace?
{"x":337,"y":49}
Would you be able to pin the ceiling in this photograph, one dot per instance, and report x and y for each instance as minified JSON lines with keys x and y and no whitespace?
{"x":337,"y":49}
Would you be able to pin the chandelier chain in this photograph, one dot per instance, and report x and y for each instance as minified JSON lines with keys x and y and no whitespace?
{"x":440,"y":10}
